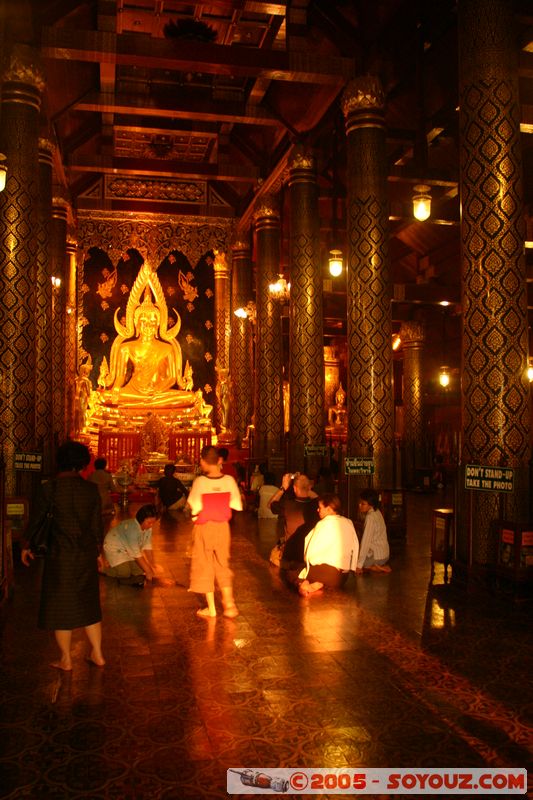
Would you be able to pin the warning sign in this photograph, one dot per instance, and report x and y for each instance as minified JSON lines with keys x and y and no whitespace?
{"x":29,"y":462}
{"x":489,"y":479}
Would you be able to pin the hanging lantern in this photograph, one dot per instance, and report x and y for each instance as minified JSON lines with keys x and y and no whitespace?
{"x":421,"y":202}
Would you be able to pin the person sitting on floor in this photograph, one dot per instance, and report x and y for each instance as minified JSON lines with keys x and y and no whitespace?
{"x":128,"y":549}
{"x":331,"y":549}
{"x":266,"y":492}
{"x":374,"y":551}
{"x":297,"y":509}
{"x":171,"y":493}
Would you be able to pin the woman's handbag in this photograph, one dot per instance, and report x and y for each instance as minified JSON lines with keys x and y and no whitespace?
{"x":40,"y":539}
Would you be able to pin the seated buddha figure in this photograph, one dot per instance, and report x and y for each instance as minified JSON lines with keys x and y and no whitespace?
{"x":338,"y":414}
{"x":145,"y":370}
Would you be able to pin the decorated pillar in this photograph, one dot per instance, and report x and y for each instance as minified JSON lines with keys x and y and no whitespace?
{"x":71,"y":333}
{"x":495,"y":390}
{"x":307,"y":418}
{"x":43,"y":310}
{"x":370,"y":398}
{"x":269,"y":379}
{"x":222,"y":335}
{"x":21,"y":98}
{"x":242,"y":329}
{"x":58,"y":243}
{"x":412,"y":336}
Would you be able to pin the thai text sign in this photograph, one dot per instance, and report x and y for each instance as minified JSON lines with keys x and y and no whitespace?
{"x":489,"y":479}
{"x":358,"y":465}
{"x":315,"y":449}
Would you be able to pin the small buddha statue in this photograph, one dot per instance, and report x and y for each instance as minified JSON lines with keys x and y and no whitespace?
{"x":338,"y":414}
{"x":82,"y":395}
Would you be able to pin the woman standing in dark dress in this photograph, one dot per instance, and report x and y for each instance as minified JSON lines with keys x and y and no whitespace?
{"x":70,"y":595}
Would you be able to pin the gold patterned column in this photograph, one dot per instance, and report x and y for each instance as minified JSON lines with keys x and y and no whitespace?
{"x":370,"y":399}
{"x":495,"y":390}
{"x":58,"y":241}
{"x":241,"y":349}
{"x":412,"y":336}
{"x":222,"y":336}
{"x":71,"y":338}
{"x":306,"y":339}
{"x":21,"y":98}
{"x":43,"y":312}
{"x":269,"y":399}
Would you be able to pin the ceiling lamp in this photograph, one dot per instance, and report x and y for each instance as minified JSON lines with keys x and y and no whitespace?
{"x":530,"y":372}
{"x":3,"y":172}
{"x":335,"y":263}
{"x":396,"y":341}
{"x":421,"y":202}
{"x":444,"y":377}
{"x":280,"y":290}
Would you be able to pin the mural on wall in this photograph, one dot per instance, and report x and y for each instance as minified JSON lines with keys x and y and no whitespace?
{"x":188,"y":290}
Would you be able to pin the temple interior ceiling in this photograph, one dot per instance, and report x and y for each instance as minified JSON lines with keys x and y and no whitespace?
{"x":167,"y":107}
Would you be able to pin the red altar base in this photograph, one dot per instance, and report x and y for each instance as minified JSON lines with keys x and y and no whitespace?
{"x":119,"y":447}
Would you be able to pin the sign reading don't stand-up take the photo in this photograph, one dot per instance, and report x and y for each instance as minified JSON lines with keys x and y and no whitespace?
{"x":489,"y":479}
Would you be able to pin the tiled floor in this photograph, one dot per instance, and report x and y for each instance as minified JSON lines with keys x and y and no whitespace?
{"x":390,"y":673}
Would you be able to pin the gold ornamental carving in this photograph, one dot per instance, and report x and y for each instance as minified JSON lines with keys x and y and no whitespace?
{"x":168,"y":190}
{"x":412,"y":333}
{"x":302,"y":158}
{"x":363,"y":93}
{"x":221,"y":266}
{"x":266,"y":208}
{"x":154,"y":236}
{"x":23,"y":67}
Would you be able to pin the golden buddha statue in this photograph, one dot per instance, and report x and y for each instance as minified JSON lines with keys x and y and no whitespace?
{"x":145,"y":368}
{"x":338,"y":414}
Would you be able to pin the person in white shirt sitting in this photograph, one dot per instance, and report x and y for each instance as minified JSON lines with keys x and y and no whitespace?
{"x":331,"y":549}
{"x":374,"y":551}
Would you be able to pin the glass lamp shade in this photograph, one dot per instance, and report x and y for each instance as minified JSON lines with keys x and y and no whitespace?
{"x":444,"y":377}
{"x":421,"y":202}
{"x":335,"y":263}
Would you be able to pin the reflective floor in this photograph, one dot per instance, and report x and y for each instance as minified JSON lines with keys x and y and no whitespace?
{"x":391,"y":672}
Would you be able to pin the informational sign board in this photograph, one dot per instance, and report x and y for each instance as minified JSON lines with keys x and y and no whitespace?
{"x":29,"y":462}
{"x":358,"y":465}
{"x":315,"y":450}
{"x":489,"y":479}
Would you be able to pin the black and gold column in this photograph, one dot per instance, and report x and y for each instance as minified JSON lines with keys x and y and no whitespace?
{"x":495,"y":390}
{"x":412,"y":336}
{"x":222,"y":333}
{"x":21,"y":98}
{"x":306,"y":333}
{"x":370,"y":400}
{"x":43,"y":312}
{"x":241,"y":348}
{"x":268,"y":437}
{"x":71,"y":337}
{"x":58,"y":257}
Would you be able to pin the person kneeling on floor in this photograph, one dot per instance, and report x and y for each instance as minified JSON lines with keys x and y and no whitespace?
{"x":374,"y":550}
{"x":128,"y":549}
{"x":331,"y":549}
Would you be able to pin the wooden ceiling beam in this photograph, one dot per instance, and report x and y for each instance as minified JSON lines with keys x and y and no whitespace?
{"x":163,"y":169}
{"x":127,"y":49}
{"x":197,"y":109}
